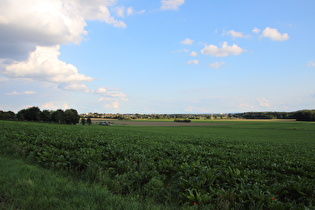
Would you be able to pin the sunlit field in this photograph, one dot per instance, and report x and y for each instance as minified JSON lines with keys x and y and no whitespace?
{"x":222,"y":165}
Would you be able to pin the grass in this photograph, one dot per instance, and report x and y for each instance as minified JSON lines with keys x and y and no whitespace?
{"x":26,"y":186}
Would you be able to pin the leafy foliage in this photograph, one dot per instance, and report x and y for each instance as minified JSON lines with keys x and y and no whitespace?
{"x":305,"y":115}
{"x":240,"y":165}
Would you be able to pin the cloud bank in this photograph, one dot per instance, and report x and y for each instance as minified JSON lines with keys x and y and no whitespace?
{"x":32,"y":32}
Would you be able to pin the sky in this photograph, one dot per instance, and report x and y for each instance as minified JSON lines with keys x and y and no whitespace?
{"x":157,"y":56}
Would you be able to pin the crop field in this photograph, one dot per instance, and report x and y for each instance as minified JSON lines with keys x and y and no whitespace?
{"x":220,"y":165}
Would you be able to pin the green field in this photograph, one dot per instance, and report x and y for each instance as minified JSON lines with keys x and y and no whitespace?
{"x":228,"y":165}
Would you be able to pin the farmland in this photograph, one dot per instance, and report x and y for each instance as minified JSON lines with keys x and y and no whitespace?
{"x":222,"y":164}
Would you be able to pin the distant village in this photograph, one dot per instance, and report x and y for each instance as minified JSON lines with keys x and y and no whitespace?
{"x":156,"y":116}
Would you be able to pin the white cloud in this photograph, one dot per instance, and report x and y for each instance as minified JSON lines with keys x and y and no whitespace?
{"x":171,"y":4}
{"x":120,"y":11}
{"x":43,"y":65}
{"x":94,"y":10}
{"x":53,"y":106}
{"x":225,"y":50}
{"x":101,"y":90}
{"x":196,"y":62}
{"x":111,"y":95}
{"x":105,"y":99}
{"x":32,"y":32}
{"x":216,"y":65}
{"x":49,"y":106}
{"x":187,"y":41}
{"x":22,"y":93}
{"x":274,"y":34}
{"x":236,"y":34}
{"x":256,"y":30}
{"x":193,"y":54}
{"x":112,"y":105}
{"x":311,"y":64}
{"x":27,"y":24}
{"x":131,"y":11}
{"x":263,"y":102}
{"x":76,"y":87}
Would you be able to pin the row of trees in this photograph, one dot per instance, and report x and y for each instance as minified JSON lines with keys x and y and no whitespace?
{"x":302,"y":115}
{"x":69,"y":116}
{"x":265,"y":115}
{"x":305,"y":115}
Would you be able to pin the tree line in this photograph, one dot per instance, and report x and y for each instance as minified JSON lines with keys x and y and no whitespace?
{"x":301,"y":115}
{"x":69,"y":116}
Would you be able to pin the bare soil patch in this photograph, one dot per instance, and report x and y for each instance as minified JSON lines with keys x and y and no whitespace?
{"x":145,"y":123}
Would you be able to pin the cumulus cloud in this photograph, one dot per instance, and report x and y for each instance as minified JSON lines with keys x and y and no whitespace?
{"x":112,"y":98}
{"x":53,"y":106}
{"x":216,"y":65}
{"x":256,"y":30}
{"x":193,"y":54}
{"x":101,"y":90}
{"x":187,"y":41}
{"x":196,"y":62}
{"x":43,"y":64}
{"x":49,"y":106}
{"x":236,"y":34}
{"x":131,"y":11}
{"x":263,"y":102}
{"x":28,"y":92}
{"x":171,"y":4}
{"x":112,"y":105}
{"x":225,"y":50}
{"x":112,"y":94}
{"x":32,"y":32}
{"x":76,"y":87}
{"x":27,"y":24}
{"x":122,"y":11}
{"x":274,"y":34}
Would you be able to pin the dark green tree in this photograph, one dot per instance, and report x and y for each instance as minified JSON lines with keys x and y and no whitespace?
{"x":20,"y":115}
{"x":72,"y":117}
{"x":9,"y":115}
{"x":305,"y":115}
{"x":89,"y":121}
{"x":46,"y":116}
{"x":83,"y":121}
{"x":58,"y":116}
{"x":31,"y":114}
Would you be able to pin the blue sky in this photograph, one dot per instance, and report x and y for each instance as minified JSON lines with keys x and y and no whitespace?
{"x":158,"y":56}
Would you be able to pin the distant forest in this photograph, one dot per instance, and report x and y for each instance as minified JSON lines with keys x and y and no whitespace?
{"x":71,"y":116}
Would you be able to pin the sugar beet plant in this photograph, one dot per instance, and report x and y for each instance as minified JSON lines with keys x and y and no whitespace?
{"x":253,"y":166}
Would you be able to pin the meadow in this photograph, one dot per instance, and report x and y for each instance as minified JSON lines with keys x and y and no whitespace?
{"x":222,"y":165}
